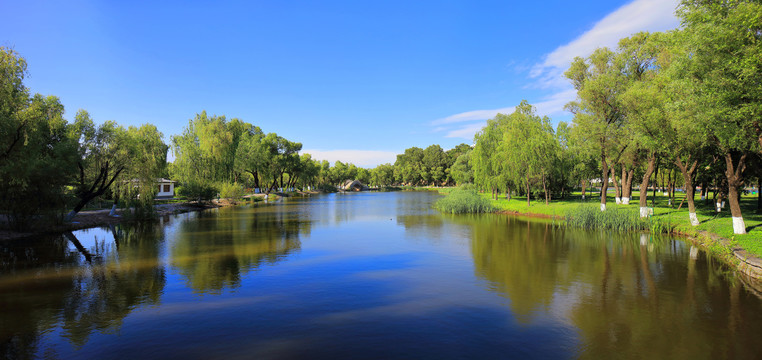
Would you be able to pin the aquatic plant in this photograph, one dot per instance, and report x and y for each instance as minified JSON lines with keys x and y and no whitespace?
{"x":462,"y":201}
{"x":590,"y":217}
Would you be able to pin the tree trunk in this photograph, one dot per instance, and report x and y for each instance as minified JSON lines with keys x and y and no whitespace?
{"x":625,"y":194}
{"x":628,"y":186}
{"x":584,"y":186}
{"x":508,"y":193}
{"x":759,"y":194}
{"x":688,"y":184}
{"x":617,"y":189}
{"x":643,"y":202}
{"x":734,"y":173}
{"x":656,"y":184}
{"x":529,"y":195}
{"x":98,"y":188}
{"x":604,"y":182}
{"x":545,"y":189}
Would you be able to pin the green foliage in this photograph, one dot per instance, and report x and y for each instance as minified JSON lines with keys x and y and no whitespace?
{"x":461,"y":171}
{"x":327,"y":188}
{"x":197,"y":191}
{"x":231,"y":191}
{"x":462,"y":201}
{"x":36,"y":156}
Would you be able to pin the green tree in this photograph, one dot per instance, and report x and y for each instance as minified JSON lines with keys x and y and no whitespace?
{"x":723,"y":63}
{"x":103,"y":155}
{"x":529,"y":150}
{"x":36,"y":156}
{"x":145,"y":164}
{"x":461,"y":171}
{"x":597,"y":111}
{"x":642,"y":58}
{"x":488,"y":171}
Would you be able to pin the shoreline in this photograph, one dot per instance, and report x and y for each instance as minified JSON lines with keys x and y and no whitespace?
{"x":736,"y":257}
{"x":99,"y":218}
{"x":733,"y":255}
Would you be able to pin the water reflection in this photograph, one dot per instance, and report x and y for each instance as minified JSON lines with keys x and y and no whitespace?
{"x":53,"y":285}
{"x":341,"y":275}
{"x":627,"y":294}
{"x":214,"y":250}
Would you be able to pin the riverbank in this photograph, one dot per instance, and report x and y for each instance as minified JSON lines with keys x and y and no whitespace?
{"x":97,"y":218}
{"x":714,"y":232}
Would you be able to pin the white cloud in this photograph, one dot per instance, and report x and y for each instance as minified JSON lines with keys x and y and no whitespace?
{"x":471,"y":116}
{"x":553,"y":105}
{"x":361,"y":158}
{"x":466,"y":132}
{"x":639,"y":15}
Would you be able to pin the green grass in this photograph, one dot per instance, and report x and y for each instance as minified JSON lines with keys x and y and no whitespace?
{"x":463,"y":201}
{"x":664,"y":215}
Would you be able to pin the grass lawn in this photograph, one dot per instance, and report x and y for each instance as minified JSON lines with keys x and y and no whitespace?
{"x":720,"y":224}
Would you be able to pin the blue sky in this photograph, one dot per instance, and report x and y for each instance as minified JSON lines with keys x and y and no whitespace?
{"x":351,"y":80}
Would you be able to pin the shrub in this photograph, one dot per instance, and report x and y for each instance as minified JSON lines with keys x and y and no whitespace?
{"x":231,"y":191}
{"x":194,"y":190}
{"x":326,"y":188}
{"x":462,"y":201}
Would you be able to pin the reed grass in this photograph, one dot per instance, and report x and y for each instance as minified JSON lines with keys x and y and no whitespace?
{"x":463,"y":201}
{"x":591,"y":217}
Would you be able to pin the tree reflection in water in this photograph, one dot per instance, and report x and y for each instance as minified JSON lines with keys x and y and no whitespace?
{"x":215,"y":249}
{"x":46,"y":284}
{"x":626,"y":296}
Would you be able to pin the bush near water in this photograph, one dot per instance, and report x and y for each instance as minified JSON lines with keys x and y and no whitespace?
{"x":461,"y":201}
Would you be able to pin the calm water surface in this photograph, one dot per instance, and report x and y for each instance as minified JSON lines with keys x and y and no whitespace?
{"x":368,"y":275}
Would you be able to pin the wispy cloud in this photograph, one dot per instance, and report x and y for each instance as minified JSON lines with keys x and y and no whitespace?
{"x":361,"y":158}
{"x":471,"y":116}
{"x":553,"y":105}
{"x":639,"y":15}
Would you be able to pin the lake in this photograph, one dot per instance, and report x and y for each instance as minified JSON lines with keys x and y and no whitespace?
{"x":372,"y":276}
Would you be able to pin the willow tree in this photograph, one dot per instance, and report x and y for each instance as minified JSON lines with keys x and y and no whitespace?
{"x":488,"y":168}
{"x":146,"y":162}
{"x":103,"y":155}
{"x":205,"y":153}
{"x":597,"y":110}
{"x":528,"y":150}
{"x":723,"y":40}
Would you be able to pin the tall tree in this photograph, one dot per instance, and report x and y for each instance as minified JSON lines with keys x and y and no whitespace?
{"x":103,"y":156}
{"x":488,"y":169}
{"x":643,"y":100}
{"x":597,"y":111}
{"x":724,"y":64}
{"x":529,"y":150}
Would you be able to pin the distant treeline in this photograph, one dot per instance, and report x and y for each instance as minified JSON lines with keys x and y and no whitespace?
{"x":50,"y":166}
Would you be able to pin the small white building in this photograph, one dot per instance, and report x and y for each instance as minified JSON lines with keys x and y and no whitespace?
{"x":166,"y":188}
